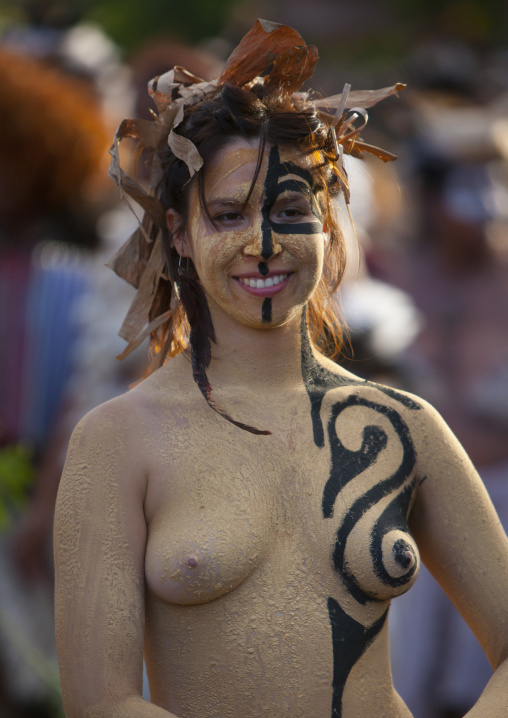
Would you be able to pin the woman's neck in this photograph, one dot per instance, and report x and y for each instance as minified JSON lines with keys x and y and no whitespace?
{"x":257,"y":359}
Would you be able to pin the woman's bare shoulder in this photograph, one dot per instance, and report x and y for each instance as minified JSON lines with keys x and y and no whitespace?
{"x":163,"y":391}
{"x":341,"y":378}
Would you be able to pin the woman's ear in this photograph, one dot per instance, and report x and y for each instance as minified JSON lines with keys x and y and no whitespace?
{"x":176,"y":226}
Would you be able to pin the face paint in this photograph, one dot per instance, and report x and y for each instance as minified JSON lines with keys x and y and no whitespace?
{"x":275,"y":188}
{"x":271,"y":249}
{"x":266,"y":310}
{"x":263,"y":268}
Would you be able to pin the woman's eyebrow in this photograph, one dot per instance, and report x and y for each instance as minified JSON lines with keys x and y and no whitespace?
{"x":295,"y":177}
{"x":293,"y":194}
{"x":226,"y":202}
{"x":293,"y":188}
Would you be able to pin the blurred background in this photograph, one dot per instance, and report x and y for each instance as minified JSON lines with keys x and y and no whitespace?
{"x":425,"y":296}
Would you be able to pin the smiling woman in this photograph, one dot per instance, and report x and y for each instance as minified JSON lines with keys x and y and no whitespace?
{"x":255,"y":566}
{"x":269,"y":171}
{"x":239,"y":256}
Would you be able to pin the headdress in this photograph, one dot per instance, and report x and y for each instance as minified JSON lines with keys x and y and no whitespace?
{"x":271,"y":55}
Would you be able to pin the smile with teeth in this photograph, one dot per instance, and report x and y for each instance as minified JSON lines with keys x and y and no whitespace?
{"x":263,"y":283}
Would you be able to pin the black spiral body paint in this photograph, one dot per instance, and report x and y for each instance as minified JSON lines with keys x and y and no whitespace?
{"x":350,"y":639}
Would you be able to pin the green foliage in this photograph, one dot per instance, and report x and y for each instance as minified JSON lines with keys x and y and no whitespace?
{"x":16,"y":475}
{"x":130,"y":22}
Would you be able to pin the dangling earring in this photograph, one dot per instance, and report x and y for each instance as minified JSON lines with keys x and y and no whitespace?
{"x":180,"y":270}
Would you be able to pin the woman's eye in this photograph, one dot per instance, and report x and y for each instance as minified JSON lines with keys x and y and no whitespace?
{"x":228,"y":217}
{"x":290,"y":213}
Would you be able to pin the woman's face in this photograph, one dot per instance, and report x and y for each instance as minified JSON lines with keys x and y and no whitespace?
{"x":260,"y":263}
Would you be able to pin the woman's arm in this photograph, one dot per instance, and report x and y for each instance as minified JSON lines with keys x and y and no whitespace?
{"x":462,"y":542}
{"x":100,"y":537}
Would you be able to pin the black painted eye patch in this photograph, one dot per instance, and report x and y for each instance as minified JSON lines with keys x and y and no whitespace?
{"x":276,"y":171}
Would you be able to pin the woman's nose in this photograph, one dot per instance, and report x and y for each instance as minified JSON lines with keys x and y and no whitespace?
{"x":263,"y":244}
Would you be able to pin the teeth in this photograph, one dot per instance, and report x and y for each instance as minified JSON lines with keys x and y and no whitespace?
{"x":262,"y":283}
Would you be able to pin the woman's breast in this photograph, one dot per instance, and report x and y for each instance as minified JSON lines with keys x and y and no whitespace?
{"x":379,"y":557}
{"x":336,"y":514}
{"x":195,"y":555}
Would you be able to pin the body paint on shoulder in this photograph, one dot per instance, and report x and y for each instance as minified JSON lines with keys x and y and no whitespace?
{"x":350,"y":639}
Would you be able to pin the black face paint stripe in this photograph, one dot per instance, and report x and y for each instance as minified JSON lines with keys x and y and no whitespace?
{"x":290,"y":168}
{"x":266,"y":239}
{"x":273,"y":188}
{"x":266,"y":310}
{"x":297,"y":228}
{"x":305,"y":189}
{"x":263,"y":268}
{"x":270,"y":188}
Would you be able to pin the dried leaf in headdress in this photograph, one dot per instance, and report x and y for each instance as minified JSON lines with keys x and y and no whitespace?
{"x":145,"y":332}
{"x":152,"y":205}
{"x":130,"y":261}
{"x":292,"y":69}
{"x":139,"y":311}
{"x":186,"y":151}
{"x":377,"y":151}
{"x":183,"y":76}
{"x":261,"y":47}
{"x":147,"y":132}
{"x":168,"y":87}
{"x":163,"y":89}
{"x":358,"y":98}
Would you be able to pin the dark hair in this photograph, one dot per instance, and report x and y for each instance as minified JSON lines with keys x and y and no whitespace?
{"x":210,"y":125}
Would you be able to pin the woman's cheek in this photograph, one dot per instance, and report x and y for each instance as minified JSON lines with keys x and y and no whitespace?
{"x":308,"y":251}
{"x":214,"y":254}
{"x":207,"y":252}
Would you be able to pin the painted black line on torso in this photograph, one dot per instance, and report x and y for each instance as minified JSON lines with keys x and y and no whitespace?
{"x":346,"y":632}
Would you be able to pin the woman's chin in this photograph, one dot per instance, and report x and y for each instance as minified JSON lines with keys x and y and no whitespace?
{"x":265,"y":316}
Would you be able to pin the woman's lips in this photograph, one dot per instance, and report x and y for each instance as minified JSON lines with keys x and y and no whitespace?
{"x":264,"y":286}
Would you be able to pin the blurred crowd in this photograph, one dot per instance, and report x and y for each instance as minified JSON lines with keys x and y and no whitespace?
{"x":425,"y":298}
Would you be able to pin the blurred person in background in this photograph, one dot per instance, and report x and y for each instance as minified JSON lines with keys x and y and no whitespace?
{"x":82,"y":59}
{"x":456,"y":271}
{"x":53,"y":143}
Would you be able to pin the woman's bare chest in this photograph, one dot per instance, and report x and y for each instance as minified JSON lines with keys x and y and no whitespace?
{"x":228,"y":509}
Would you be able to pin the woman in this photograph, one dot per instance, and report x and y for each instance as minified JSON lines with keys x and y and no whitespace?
{"x":252,"y":551}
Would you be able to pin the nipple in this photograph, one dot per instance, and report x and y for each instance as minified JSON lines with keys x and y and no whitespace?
{"x":191,"y":562}
{"x":403,"y":554}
